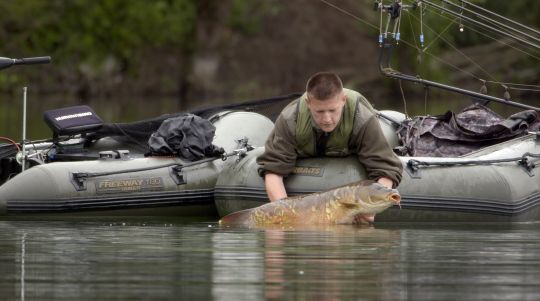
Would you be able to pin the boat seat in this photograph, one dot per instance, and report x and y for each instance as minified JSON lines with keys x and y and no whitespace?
{"x":72,"y":120}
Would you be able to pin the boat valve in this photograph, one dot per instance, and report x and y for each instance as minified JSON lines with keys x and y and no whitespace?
{"x":527,"y":165}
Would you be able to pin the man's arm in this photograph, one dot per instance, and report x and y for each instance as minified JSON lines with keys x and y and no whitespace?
{"x":278,"y":159}
{"x":376,"y":155}
{"x":274,"y":186}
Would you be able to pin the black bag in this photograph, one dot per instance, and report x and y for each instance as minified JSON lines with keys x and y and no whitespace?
{"x":189,"y":137}
{"x":453,"y":135}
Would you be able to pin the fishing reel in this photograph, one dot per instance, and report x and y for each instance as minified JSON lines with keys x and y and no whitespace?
{"x":394,"y":13}
{"x":394,"y":9}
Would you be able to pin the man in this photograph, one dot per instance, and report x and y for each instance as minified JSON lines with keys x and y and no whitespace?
{"x":327,"y":120}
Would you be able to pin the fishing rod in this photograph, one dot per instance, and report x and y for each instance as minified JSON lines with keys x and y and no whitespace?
{"x":387,"y":70}
{"x":387,"y":41}
{"x":501,"y":17}
{"x":478,"y":23}
{"x":508,"y":27}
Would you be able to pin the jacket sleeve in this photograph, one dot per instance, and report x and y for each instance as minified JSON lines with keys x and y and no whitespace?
{"x":279,"y":156}
{"x":375,"y":153}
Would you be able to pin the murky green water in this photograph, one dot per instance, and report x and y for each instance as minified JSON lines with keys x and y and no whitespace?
{"x":201,"y":261}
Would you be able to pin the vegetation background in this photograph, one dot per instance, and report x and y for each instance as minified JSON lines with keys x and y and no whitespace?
{"x":134,"y":59}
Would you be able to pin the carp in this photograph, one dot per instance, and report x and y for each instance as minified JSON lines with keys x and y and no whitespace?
{"x":336,"y":206}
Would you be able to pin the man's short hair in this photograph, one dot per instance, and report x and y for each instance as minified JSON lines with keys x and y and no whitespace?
{"x":324,"y":85}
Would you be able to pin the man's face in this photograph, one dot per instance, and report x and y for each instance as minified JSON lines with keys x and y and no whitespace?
{"x":327,"y":113}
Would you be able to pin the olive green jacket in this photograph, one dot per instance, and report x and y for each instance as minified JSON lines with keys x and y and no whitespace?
{"x":366,"y":140}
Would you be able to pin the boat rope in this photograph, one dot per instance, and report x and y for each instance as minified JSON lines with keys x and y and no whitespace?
{"x":79,"y":177}
{"x":101,"y":174}
{"x":523,"y":160}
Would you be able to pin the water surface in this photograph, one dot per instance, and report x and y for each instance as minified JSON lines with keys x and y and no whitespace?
{"x":198,"y":260}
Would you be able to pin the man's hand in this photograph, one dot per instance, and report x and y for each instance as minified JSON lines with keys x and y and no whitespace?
{"x":386,"y":182}
{"x":364,"y":219}
{"x":274,"y":187}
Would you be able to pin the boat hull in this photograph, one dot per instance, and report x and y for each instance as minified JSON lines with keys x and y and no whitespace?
{"x":475,"y":192}
{"x":124,"y":186}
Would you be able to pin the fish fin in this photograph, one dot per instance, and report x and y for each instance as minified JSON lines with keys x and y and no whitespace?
{"x":236,"y":218}
{"x":347,"y":202}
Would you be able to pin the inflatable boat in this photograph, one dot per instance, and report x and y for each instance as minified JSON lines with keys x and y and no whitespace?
{"x":94,"y":169}
{"x":495,"y":183}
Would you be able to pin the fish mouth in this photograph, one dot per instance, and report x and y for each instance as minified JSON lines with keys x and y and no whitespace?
{"x":396,"y":198}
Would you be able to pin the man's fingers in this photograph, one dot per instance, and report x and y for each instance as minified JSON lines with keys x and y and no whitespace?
{"x":364,"y":218}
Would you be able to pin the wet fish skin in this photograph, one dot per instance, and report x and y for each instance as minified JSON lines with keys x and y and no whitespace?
{"x":336,"y":206}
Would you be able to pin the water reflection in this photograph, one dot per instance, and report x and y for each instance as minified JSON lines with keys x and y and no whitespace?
{"x":202,"y":261}
{"x":237,"y":266}
{"x":314,"y":263}
{"x":23,"y":255}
